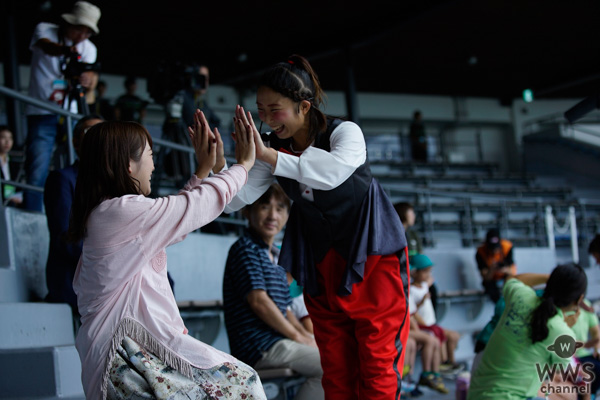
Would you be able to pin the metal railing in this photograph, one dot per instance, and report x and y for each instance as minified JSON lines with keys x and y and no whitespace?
{"x":546,"y":222}
{"x":558,"y":119}
{"x":48,"y":107}
{"x":420,"y":193}
{"x":69,"y":118}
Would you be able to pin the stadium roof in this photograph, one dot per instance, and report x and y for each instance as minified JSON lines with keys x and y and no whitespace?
{"x":490,"y":48}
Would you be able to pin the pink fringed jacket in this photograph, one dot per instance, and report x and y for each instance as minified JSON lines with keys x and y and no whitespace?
{"x":121,"y":279}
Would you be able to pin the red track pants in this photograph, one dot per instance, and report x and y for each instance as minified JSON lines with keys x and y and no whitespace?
{"x":361,"y":337}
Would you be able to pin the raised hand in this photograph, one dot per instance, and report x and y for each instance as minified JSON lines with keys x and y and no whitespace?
{"x":220,"y":152}
{"x":245,"y":121}
{"x":204,"y":143}
{"x":245,"y":145}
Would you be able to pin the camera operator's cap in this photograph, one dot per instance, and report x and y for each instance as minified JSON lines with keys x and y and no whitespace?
{"x":419,"y":261}
{"x":84,"y":13}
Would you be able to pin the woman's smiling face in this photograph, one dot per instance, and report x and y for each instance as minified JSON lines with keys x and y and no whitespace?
{"x":286,"y":118}
{"x":142,"y":170}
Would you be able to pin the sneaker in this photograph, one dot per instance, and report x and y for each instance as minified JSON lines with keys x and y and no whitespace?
{"x":416,"y":392}
{"x":408,"y":386}
{"x":434,"y":382}
{"x":451,"y":369}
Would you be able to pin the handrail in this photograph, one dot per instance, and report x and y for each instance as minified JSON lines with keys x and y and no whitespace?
{"x":580,"y":128}
{"x":462,"y":195}
{"x":69,"y":115}
{"x":470,"y":196}
{"x":557,"y":118}
{"x":49,"y":107}
{"x":21,"y":185}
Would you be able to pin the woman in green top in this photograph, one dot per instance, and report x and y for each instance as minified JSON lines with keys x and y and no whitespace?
{"x":519,"y":345}
{"x":587,"y":330}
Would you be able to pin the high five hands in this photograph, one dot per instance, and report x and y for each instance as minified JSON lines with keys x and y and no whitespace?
{"x":209,"y":149}
{"x":244,"y":126}
{"x":205,"y":143}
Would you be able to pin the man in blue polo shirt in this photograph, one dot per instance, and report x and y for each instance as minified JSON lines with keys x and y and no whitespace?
{"x":263,"y":332}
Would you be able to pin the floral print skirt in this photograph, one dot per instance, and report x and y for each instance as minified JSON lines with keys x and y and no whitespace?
{"x":136,"y":373}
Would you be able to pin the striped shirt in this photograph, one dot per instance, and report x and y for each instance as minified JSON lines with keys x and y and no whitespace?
{"x":250,"y":268}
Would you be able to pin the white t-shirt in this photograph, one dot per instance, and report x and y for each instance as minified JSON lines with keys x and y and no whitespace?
{"x":316,"y":169}
{"x":426,"y":311}
{"x":4,"y":167}
{"x":46,"y":79}
{"x":298,"y":307}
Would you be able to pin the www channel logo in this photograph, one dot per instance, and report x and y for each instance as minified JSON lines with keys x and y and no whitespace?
{"x":565,"y":346}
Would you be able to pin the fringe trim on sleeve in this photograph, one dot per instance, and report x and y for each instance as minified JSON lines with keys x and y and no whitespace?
{"x":133,"y":329}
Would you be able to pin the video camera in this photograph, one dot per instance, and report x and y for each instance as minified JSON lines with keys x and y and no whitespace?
{"x":171,"y":77}
{"x":74,"y":67}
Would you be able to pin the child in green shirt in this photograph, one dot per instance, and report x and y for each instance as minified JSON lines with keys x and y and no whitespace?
{"x":528,"y":326}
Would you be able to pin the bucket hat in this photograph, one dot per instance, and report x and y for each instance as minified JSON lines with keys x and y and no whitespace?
{"x":84,"y":13}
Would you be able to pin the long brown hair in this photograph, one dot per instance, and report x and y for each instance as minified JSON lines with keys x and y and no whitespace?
{"x":296,"y":80}
{"x":106,"y":151}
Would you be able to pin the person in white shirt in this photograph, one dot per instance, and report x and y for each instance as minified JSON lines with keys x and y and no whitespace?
{"x":52,"y":47}
{"x":421,"y":309}
{"x":9,"y":195}
{"x":343,"y":242}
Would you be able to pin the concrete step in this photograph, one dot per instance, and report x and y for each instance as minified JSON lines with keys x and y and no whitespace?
{"x":46,"y":372}
{"x":35,"y":325}
{"x":38,"y":359}
{"x":24,"y":241}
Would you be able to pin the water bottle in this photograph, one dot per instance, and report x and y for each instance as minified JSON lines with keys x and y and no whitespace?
{"x":462,"y":385}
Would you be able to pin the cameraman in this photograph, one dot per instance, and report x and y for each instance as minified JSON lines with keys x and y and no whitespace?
{"x":180,"y":111}
{"x":53,"y":46}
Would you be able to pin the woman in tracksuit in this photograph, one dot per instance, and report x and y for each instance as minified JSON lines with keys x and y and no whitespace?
{"x":343,"y":242}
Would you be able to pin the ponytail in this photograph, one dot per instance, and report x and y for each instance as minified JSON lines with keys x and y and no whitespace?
{"x":567,"y":283}
{"x":539,"y":320}
{"x":296,"y":80}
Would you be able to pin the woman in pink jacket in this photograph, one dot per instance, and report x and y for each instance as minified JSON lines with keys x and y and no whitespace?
{"x":132,"y":341}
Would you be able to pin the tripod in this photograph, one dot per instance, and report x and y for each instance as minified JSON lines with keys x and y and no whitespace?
{"x":76,"y":93}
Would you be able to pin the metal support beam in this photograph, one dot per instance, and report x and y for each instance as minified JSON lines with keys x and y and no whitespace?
{"x":11,"y":72}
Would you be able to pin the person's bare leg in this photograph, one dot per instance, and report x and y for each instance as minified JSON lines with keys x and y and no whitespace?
{"x":429,"y":349}
{"x":411,"y":354}
{"x":452,"y":338}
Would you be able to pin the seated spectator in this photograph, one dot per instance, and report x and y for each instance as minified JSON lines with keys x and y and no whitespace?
{"x":63,"y":256}
{"x":431,"y":354}
{"x":8,"y":171}
{"x":409,"y":389}
{"x":495,"y":262}
{"x":484,"y":335}
{"x":263,"y":332}
{"x":407,"y":215}
{"x":129,"y":106}
{"x":587,"y":331}
{"x":422,"y":311}
{"x":528,"y":326}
